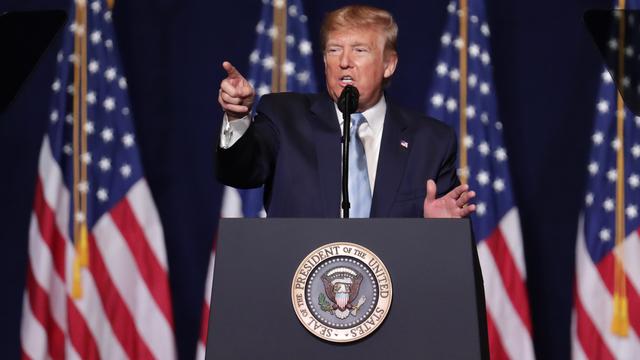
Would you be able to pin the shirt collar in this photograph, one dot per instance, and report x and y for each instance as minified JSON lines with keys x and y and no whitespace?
{"x":374,"y":115}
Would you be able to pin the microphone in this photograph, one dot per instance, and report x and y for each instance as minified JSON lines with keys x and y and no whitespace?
{"x":348,"y":104}
{"x":348,"y":100}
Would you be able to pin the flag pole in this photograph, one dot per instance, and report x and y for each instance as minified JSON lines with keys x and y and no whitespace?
{"x":463,"y":16}
{"x":283,"y":46}
{"x":83,"y":242}
{"x":620,"y":321}
{"x":79,"y":171}
{"x":279,"y":46}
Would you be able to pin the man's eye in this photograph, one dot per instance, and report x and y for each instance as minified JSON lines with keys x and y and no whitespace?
{"x":361,"y":50}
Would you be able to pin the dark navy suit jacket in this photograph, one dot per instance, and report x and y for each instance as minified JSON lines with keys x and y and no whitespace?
{"x":293,"y":148}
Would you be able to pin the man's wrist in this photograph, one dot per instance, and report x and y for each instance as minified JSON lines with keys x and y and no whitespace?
{"x":232,"y":116}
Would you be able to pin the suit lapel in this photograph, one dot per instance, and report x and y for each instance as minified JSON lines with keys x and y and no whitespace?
{"x":326,"y":132}
{"x":391,"y":161}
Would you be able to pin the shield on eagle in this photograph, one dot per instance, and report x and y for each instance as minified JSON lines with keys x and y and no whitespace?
{"x":341,"y":285}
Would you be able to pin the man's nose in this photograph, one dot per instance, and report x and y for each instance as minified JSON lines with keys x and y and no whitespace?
{"x":345,"y":60}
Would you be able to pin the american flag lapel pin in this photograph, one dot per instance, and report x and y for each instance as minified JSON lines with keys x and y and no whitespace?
{"x":404,"y":144}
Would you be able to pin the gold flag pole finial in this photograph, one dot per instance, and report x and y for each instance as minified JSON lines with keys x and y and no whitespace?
{"x":620,"y":321}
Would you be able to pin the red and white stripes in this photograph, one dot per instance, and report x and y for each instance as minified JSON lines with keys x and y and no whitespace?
{"x":125,"y":310}
{"x":231,"y":208}
{"x":204,"y":322}
{"x":502,"y":262}
{"x":593,"y":302}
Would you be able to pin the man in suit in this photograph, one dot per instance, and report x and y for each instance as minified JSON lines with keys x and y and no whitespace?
{"x":293,"y":145}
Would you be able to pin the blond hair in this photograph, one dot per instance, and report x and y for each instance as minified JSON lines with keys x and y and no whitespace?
{"x":361,"y":16}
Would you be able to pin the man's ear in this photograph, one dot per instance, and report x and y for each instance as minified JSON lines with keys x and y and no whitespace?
{"x":390,"y":63}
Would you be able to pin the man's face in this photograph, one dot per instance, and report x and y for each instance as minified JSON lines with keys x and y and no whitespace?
{"x":356,"y":57}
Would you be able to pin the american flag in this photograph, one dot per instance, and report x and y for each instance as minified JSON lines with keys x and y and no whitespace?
{"x":269,"y":65}
{"x":496,"y":222}
{"x":608,"y":251}
{"x":97,"y":283}
{"x":281,"y":61}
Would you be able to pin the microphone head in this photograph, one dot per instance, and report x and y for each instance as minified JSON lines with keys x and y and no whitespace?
{"x":348,"y":99}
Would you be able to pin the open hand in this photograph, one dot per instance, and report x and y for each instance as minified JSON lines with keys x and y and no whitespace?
{"x":236,"y":94}
{"x":455,"y":204}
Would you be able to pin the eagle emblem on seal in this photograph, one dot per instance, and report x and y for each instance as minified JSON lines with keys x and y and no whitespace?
{"x":341,"y":286}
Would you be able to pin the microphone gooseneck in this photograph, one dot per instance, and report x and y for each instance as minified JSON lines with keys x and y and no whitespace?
{"x":347,"y":104}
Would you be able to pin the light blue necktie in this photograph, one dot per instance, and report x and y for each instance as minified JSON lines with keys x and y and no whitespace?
{"x":359,"y":188}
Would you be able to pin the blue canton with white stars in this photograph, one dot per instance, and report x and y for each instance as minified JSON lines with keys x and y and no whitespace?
{"x":299,"y":63}
{"x":112,"y":159}
{"x":488,"y":172}
{"x":298,"y":67}
{"x":600,"y":198}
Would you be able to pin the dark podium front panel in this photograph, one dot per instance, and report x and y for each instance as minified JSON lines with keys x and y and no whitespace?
{"x":437,"y":291}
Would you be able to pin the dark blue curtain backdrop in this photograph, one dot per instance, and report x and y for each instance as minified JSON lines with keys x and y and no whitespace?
{"x":547,"y":73}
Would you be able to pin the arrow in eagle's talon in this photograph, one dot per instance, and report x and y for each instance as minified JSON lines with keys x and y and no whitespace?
{"x":357,"y":306}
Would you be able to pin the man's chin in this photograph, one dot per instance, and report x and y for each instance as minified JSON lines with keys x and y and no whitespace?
{"x":333,"y":94}
{"x":336,"y":91}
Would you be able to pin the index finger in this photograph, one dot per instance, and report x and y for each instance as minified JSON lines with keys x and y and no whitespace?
{"x":231,"y":70}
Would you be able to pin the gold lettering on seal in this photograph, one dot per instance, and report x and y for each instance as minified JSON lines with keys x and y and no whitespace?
{"x":341,"y":333}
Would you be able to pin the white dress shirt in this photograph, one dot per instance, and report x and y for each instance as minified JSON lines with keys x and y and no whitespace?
{"x":370,"y":133}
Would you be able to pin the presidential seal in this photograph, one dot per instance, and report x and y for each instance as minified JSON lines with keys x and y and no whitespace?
{"x":341,"y":292}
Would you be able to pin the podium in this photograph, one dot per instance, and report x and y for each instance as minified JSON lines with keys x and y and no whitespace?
{"x":437,"y":311}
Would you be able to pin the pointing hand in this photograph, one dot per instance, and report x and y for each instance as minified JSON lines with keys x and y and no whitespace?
{"x":236,"y":95}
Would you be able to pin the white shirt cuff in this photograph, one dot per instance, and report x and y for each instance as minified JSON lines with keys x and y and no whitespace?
{"x":232,"y":131}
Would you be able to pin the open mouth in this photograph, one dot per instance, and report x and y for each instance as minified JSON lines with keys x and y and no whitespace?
{"x":346,"y":80}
